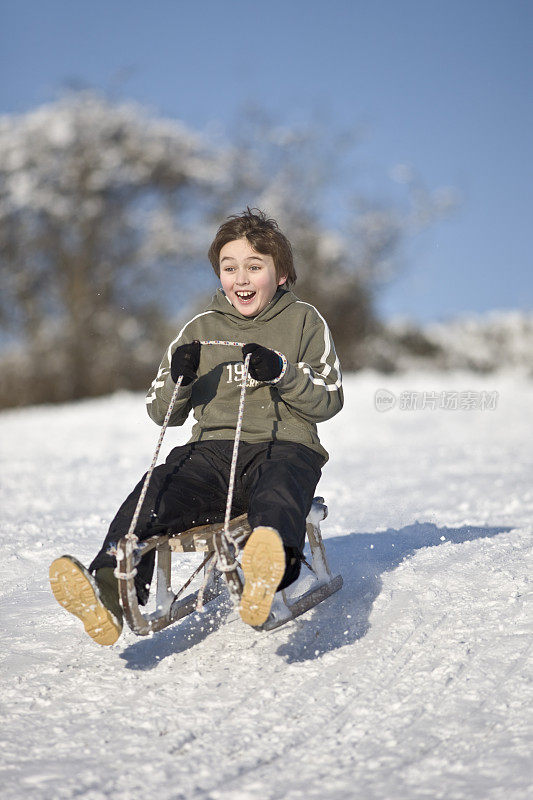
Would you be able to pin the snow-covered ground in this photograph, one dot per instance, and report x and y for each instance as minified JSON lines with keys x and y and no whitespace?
{"x":412,"y":682}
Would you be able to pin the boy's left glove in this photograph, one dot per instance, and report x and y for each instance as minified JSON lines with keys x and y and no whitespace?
{"x":265,"y":364}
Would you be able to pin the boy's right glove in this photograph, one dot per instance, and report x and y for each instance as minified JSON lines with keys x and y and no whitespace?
{"x":185,"y":361}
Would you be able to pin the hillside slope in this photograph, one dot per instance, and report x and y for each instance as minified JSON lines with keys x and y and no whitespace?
{"x":412,"y":682}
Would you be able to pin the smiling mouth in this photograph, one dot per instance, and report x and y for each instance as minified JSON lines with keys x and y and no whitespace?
{"x":245,"y":296}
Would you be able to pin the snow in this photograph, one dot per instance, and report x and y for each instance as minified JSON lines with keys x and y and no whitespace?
{"x":498,"y":340}
{"x":414,"y":681}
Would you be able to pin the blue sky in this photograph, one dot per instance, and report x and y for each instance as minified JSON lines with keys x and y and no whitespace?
{"x":443,"y":85}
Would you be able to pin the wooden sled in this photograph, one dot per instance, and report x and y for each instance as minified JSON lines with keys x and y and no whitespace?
{"x":171,"y":607}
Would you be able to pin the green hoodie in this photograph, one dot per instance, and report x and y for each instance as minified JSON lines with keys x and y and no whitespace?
{"x":309,"y":389}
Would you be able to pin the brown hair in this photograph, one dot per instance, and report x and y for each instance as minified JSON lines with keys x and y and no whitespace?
{"x":263,"y":234}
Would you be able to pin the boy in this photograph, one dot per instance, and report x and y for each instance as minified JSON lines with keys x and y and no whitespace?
{"x":294,"y":382}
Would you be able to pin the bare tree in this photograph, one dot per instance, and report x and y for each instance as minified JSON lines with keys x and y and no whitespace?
{"x":96,"y":200}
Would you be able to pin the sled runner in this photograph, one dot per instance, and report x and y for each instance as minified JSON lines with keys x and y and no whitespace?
{"x":171,"y":606}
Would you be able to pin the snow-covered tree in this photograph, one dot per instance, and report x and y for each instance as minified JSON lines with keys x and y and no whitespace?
{"x":99,"y":205}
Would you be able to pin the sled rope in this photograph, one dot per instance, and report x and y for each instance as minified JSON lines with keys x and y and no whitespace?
{"x":223,"y":563}
{"x":221,"y":560}
{"x":236,"y":442}
{"x":131,"y":535}
{"x":223,"y":342}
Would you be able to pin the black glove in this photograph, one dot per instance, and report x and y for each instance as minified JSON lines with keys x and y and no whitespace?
{"x":185,"y":361}
{"x":265,"y":364}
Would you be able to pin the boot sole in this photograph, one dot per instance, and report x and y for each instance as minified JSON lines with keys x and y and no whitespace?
{"x":263,"y":564}
{"x":73,"y":588}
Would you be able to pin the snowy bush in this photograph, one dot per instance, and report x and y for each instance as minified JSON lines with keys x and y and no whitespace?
{"x":498,"y":340}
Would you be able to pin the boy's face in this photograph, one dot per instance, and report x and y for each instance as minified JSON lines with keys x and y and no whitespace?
{"x":247,"y":277}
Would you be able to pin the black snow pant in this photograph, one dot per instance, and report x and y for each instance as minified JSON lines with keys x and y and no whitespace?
{"x":274,"y":485}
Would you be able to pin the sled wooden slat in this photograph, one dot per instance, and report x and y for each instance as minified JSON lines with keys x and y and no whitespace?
{"x":200,"y":538}
{"x":171,"y":607}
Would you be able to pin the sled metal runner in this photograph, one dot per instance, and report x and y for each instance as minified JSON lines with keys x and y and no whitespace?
{"x":171,"y":606}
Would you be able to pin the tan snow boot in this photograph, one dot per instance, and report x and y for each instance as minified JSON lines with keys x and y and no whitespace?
{"x":263,"y":564}
{"x":76,"y":590}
